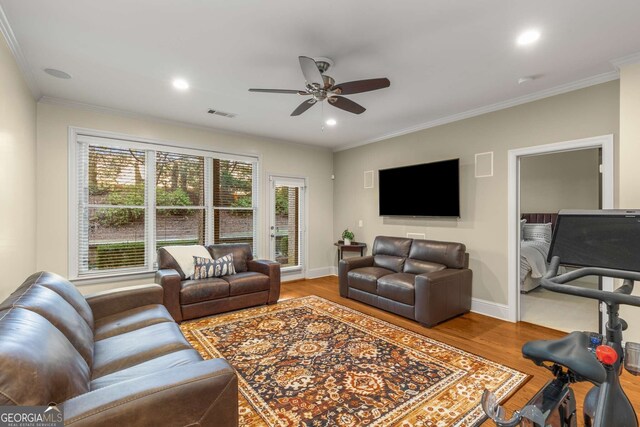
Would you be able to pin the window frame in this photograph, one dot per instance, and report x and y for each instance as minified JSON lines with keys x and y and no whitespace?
{"x":77,"y":135}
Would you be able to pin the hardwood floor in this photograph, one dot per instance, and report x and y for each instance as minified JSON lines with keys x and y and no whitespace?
{"x":491,"y":338}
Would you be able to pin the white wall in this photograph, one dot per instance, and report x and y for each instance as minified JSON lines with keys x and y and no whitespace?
{"x":17,"y":175}
{"x":483,"y":224}
{"x":276,"y":157}
{"x":630,"y":167}
{"x":569,"y":180}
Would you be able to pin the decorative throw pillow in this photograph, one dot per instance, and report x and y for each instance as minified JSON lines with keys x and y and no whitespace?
{"x":538,"y":232}
{"x":207,"y":267}
{"x":522,"y":223}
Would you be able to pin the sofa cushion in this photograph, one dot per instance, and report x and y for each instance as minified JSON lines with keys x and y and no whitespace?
{"x":449,"y":254}
{"x":171,"y":360}
{"x":241,"y":254}
{"x":416,"y":266}
{"x":130,"y":320}
{"x":366,"y":278}
{"x":66,"y":290}
{"x":58,"y":312}
{"x":247,"y":283}
{"x":398,"y":287}
{"x":394,"y":246}
{"x":192,"y":291}
{"x":389,"y":262}
{"x":38,"y":364}
{"x":131,"y":348}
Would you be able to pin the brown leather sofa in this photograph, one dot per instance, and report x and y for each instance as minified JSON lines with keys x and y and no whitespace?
{"x":116,"y":358}
{"x":424,"y":280}
{"x":256,"y":282}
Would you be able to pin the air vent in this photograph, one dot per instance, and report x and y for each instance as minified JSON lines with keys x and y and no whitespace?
{"x":221,"y":113}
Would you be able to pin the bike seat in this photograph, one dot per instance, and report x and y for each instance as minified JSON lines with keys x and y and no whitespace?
{"x":571,"y":351}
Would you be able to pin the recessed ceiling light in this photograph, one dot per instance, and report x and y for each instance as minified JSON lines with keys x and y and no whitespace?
{"x":180,"y":84}
{"x":57,"y":73}
{"x":331,"y":122}
{"x":528,"y":37}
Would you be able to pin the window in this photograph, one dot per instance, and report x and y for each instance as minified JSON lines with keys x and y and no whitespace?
{"x":133,"y":197}
{"x":234,"y":219}
{"x":180,"y":199}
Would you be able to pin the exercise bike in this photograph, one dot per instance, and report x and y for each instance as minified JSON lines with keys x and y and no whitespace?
{"x":585,"y":239}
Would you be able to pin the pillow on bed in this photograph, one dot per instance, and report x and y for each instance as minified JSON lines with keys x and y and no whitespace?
{"x":522,"y":223}
{"x":538,"y":232}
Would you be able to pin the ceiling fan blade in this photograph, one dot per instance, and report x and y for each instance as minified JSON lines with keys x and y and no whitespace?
{"x":300,"y":92}
{"x":310,"y":70}
{"x":303,"y":107}
{"x":346,"y":104}
{"x":360,"y":86}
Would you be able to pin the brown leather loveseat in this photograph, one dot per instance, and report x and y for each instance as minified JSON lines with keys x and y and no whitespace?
{"x":256,"y":282}
{"x":116,"y":358}
{"x":424,"y":280}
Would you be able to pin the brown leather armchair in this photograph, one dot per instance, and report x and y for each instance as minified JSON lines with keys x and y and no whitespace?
{"x":116,"y":358}
{"x":424,"y":280}
{"x":256,"y":282}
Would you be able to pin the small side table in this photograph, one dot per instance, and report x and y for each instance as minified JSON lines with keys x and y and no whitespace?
{"x":353,"y":247}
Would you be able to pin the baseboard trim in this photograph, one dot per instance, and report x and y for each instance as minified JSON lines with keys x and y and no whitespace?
{"x":314,"y":273}
{"x":490,"y":308}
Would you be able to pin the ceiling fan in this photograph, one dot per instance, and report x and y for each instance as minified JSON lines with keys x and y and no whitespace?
{"x":322,"y":87}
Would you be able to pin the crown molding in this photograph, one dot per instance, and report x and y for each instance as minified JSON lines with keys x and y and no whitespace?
{"x":141,"y":116}
{"x":21,"y":60}
{"x":557,"y":90}
{"x":634,"y":58}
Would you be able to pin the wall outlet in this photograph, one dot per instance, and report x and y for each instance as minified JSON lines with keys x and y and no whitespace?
{"x":360,"y":223}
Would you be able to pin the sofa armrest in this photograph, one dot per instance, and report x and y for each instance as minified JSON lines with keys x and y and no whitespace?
{"x":203,"y":393}
{"x":170,"y":280}
{"x":115,"y":301}
{"x":271,"y":269}
{"x":442,"y":294}
{"x":349,"y":264}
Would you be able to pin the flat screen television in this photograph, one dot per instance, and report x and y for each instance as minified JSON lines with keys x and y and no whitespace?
{"x":429,"y":189}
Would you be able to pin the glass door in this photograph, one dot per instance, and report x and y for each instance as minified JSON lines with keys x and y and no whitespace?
{"x":286,"y":228}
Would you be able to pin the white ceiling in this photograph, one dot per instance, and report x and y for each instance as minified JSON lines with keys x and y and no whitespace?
{"x":443,"y":57}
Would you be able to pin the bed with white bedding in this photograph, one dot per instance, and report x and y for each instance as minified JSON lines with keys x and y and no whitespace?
{"x":535,"y":241}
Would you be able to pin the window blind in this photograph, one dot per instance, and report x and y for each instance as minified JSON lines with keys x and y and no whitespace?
{"x":133,"y":198}
{"x":287,"y":225}
{"x":112,"y":209}
{"x":180,"y":199}
{"x":233,"y":202}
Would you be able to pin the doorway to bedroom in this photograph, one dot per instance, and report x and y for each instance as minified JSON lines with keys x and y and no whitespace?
{"x":542,"y":181}
{"x":549,"y":183}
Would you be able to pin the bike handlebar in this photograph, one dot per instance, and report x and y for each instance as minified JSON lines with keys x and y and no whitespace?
{"x":555,"y":283}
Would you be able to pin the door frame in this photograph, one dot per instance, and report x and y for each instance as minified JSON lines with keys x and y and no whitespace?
{"x":605,"y":143}
{"x":290,"y":273}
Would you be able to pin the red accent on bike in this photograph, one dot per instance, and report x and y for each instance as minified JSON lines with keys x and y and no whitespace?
{"x":606,"y":354}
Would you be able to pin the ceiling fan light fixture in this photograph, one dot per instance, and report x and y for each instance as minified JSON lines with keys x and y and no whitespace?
{"x":331,"y":122}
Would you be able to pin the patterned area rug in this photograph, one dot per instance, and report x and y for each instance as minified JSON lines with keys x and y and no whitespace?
{"x":311,"y":362}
